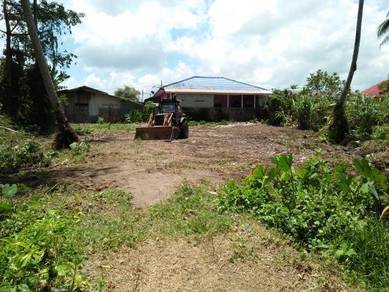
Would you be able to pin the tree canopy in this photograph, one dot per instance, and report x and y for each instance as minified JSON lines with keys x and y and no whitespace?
{"x":128,"y":92}
{"x":23,"y":96}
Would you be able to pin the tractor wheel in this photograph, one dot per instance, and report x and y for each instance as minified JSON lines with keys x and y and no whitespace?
{"x":184,"y":130}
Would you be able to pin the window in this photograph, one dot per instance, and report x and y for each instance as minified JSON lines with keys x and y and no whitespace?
{"x":220,"y":101}
{"x":248,"y":101}
{"x":168,"y":108}
{"x":235,"y":101}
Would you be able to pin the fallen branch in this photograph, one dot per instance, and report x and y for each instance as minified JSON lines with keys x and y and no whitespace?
{"x":9,"y":129}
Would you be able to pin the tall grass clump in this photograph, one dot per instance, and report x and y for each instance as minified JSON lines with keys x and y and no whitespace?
{"x":326,"y":209}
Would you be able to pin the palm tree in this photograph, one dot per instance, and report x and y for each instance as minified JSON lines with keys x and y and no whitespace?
{"x":383,"y":30}
{"x":66,"y":135}
{"x":339,"y":127}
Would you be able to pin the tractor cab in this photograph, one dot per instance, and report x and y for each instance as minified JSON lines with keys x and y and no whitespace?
{"x":168,"y":121}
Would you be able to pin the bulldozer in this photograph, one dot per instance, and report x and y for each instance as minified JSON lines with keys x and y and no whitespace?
{"x":167,"y":122}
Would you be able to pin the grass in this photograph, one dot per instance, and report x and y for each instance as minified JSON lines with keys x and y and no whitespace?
{"x":95,"y":222}
{"x":90,"y":128}
{"x":75,"y":224}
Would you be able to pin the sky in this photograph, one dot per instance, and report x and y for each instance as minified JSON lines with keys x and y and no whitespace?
{"x":268,"y":43}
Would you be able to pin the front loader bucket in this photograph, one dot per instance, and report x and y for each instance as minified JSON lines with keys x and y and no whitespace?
{"x":156,"y":133}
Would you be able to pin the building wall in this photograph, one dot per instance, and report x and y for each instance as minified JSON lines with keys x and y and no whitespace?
{"x":86,"y":107}
{"x":221,"y":107}
{"x":196,"y":100}
{"x":100,"y":101}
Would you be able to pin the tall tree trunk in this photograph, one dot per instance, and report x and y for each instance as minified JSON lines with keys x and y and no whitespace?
{"x":339,"y":128}
{"x":11,"y":99}
{"x":66,"y":134}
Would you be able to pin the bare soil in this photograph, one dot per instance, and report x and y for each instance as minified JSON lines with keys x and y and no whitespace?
{"x":152,"y":170}
{"x":249,"y":259}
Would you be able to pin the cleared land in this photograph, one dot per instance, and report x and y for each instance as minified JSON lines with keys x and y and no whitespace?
{"x":152,"y":240}
{"x":152,"y":170}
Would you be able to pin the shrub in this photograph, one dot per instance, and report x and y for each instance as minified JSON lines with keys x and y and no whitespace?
{"x":139,"y":116}
{"x":314,"y":203}
{"x":17,"y":149}
{"x":304,"y":107}
{"x":14,"y":156}
{"x":363,"y":115}
{"x":381,"y":132}
{"x":276,"y":109}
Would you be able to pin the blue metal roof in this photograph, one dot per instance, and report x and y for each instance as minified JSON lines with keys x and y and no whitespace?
{"x":212,"y":83}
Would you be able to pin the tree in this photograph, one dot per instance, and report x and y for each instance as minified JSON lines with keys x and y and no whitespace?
{"x":339,"y":128}
{"x":323,"y":84}
{"x":66,"y":135}
{"x":22,"y":92}
{"x":383,"y":31}
{"x":127,"y":92}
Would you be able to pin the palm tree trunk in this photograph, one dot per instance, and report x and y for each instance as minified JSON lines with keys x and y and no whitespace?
{"x":339,"y":127}
{"x":66,"y":134}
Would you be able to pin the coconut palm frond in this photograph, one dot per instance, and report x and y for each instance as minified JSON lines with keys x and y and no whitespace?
{"x":385,"y":41}
{"x":383,"y":31}
{"x":383,"y":28}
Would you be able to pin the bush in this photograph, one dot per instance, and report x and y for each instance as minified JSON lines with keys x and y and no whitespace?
{"x":363,"y":115}
{"x":139,"y":116}
{"x":14,"y":156}
{"x":276,"y":109}
{"x":316,"y":204}
{"x":381,"y":132}
{"x":304,"y":108}
{"x":17,"y":149}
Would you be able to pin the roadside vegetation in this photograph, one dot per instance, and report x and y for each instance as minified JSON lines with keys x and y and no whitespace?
{"x":311,"y":108}
{"x":48,"y":236}
{"x":325,"y":209}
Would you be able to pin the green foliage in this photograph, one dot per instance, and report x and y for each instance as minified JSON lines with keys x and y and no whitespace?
{"x":313,"y":107}
{"x":17,"y":149}
{"x":127,"y":92}
{"x":38,"y":250}
{"x":365,"y":252}
{"x":323,"y":84}
{"x":142,"y":115}
{"x":304,"y":108}
{"x":8,"y":190}
{"x":363,"y":114}
{"x":23,"y":95}
{"x":381,"y":132}
{"x":100,"y":120}
{"x":278,"y":107}
{"x":314,"y":203}
{"x":78,"y":150}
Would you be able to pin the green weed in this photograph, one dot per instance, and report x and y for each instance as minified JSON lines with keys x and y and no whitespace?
{"x":323,"y":208}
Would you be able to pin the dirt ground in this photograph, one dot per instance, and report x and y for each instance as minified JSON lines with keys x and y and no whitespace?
{"x":152,"y":170}
{"x":249,"y":259}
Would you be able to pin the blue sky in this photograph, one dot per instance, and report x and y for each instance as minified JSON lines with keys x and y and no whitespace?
{"x":269,"y":43}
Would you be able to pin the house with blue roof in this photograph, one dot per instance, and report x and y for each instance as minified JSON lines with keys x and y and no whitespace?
{"x":217,"y":98}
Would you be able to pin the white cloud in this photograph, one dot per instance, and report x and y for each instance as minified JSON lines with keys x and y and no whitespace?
{"x":273,"y":43}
